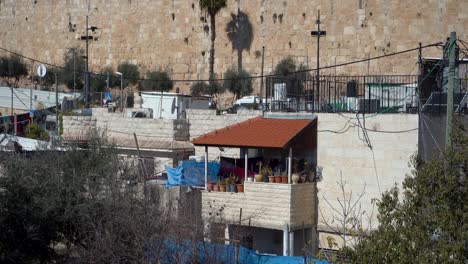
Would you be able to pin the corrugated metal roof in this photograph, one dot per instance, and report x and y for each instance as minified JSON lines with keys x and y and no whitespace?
{"x":258,"y":132}
{"x":22,"y":98}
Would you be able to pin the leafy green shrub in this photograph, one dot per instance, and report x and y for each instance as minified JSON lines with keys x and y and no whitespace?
{"x":12,"y":66}
{"x":203,"y":88}
{"x":98,"y":82}
{"x":130,"y":74}
{"x":34,"y":131}
{"x":288,"y":73}
{"x":73,"y":69}
{"x":238,"y":82}
{"x":158,"y":81}
{"x":11,"y":69}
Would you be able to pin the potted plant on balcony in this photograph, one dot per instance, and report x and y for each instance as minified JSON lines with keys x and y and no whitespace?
{"x":231,"y":183}
{"x":216,"y":187}
{"x":240,"y":185}
{"x":222,"y":185}
{"x":267,"y":173}
{"x":296,"y":171}
{"x":277,"y":178}
{"x":259,"y":176}
{"x":209,"y":186}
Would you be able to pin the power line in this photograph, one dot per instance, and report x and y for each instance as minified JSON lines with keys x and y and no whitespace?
{"x":228,"y":79}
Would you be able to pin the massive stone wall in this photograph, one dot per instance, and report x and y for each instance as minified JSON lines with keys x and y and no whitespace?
{"x":174,"y":34}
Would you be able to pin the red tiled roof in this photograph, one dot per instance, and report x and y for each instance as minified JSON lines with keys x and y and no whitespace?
{"x":257,"y":132}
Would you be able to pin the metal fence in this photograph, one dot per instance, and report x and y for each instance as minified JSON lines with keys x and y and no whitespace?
{"x":369,"y":94}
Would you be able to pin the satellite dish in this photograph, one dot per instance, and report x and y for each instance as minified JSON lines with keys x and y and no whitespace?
{"x":41,"y":70}
{"x":173,"y":107}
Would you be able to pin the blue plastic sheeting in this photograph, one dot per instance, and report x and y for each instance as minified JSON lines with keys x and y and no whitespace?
{"x":202,"y":252}
{"x":191,"y":173}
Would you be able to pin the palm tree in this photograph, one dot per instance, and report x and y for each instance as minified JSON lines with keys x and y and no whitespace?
{"x":211,"y":8}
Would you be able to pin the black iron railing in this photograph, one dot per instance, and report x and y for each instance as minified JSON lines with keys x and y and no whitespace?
{"x":370,"y":94}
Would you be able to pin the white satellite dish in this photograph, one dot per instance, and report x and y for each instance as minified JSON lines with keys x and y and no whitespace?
{"x":41,"y":70}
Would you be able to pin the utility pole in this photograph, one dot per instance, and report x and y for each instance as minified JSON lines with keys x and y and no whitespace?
{"x":450,"y":90}
{"x":12,"y":100}
{"x":318,"y":33}
{"x":56,"y":106}
{"x":87,"y":64}
{"x":261,"y":78}
{"x":87,"y":37}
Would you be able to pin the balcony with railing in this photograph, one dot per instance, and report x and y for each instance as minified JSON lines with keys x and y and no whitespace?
{"x":365,"y":94}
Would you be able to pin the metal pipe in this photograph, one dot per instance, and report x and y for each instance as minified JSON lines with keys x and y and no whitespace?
{"x":286,"y":240}
{"x":87,"y":64}
{"x":246,"y":157}
{"x":289,"y":165}
{"x":261,"y":78}
{"x":206,"y":167}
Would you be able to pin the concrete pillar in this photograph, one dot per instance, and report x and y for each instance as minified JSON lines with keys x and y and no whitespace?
{"x":291,"y":243}
{"x":286,"y":240}
{"x":226,"y":235}
{"x":246,"y":157}
{"x":289,"y":165}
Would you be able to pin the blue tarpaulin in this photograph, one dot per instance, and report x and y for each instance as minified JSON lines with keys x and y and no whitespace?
{"x":203,"y":252}
{"x":191,"y":173}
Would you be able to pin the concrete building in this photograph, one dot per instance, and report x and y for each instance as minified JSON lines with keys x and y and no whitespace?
{"x":267,"y":209}
{"x":172,"y":105}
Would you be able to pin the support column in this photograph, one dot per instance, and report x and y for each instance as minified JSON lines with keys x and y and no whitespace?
{"x":286,"y":240}
{"x":246,"y":158}
{"x":206,"y":167}
{"x":289,"y":165}
{"x":291,"y":243}
{"x":226,"y":235}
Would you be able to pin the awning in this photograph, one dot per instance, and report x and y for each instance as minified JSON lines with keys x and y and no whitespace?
{"x":258,"y":132}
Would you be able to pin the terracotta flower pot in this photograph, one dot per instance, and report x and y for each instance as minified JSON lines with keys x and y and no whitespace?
{"x":258,"y":178}
{"x":271,"y":179}
{"x":240,"y":187}
{"x":277,"y":179}
{"x":209,"y":186}
{"x":215,"y":188}
{"x":222,"y":188}
{"x":284,"y":179}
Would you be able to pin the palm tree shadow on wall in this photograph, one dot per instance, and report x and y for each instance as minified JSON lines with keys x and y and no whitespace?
{"x":240,"y":34}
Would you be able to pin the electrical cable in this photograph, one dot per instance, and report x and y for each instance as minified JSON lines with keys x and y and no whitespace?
{"x":228,"y":79}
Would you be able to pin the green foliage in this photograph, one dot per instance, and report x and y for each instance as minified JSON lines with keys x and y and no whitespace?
{"x":429,"y":224}
{"x":73,"y":69}
{"x":98,"y":82}
{"x":287,"y":69}
{"x":199,"y":88}
{"x":11,"y":69}
{"x":12,"y":66}
{"x":61,"y":197}
{"x":203,"y":88}
{"x":130,"y":74}
{"x":34,"y":131}
{"x":238,"y":82}
{"x":285,"y":66}
{"x":158,"y":81}
{"x":212,"y":7}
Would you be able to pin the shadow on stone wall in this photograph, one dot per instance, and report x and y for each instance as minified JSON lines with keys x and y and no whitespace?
{"x":240,"y":33}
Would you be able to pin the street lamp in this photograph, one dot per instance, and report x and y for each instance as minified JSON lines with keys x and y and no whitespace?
{"x":121,"y":89}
